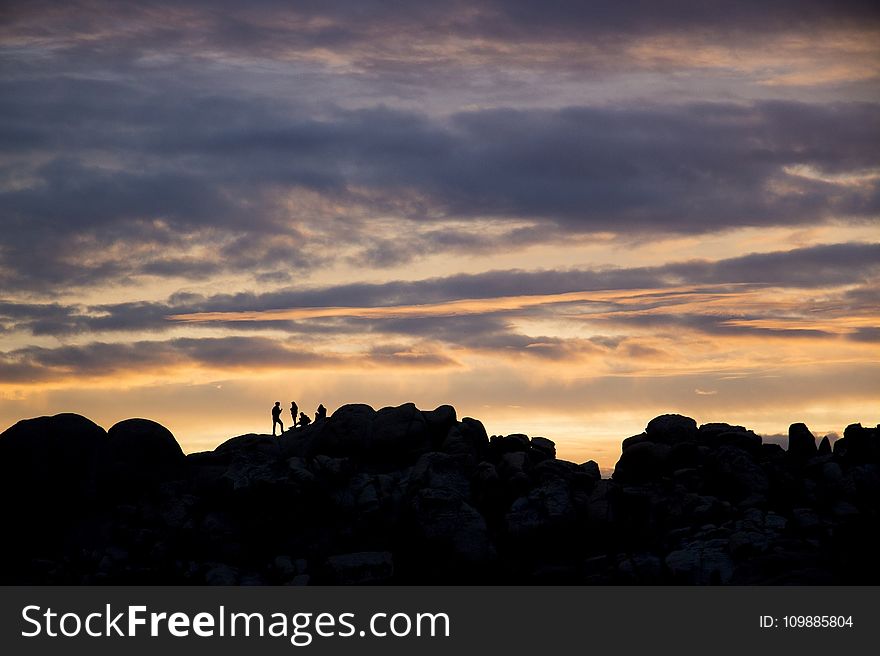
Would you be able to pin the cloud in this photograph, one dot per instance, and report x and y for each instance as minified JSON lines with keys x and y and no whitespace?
{"x":866,"y":334}
{"x":477,"y":304}
{"x":807,"y":268}
{"x":101,"y":360}
{"x":271,"y":29}
{"x":113,"y":180}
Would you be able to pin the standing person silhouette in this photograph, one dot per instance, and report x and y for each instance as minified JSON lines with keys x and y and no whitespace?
{"x":276,"y":417}
{"x":293,"y":411}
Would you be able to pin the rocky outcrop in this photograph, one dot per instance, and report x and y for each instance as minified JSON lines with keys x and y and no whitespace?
{"x":51,"y":462}
{"x":801,"y":443}
{"x":143,"y":443}
{"x":405,"y":496}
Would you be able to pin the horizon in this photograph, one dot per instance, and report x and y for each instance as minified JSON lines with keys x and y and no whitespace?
{"x":563,"y":220}
{"x":604,"y":450}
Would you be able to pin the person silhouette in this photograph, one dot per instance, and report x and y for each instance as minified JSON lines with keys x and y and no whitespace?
{"x":321,"y":413}
{"x":304,"y":420}
{"x":293,"y":411}
{"x":276,"y":417}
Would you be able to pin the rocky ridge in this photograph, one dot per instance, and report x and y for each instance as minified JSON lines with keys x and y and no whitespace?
{"x":406,"y":496}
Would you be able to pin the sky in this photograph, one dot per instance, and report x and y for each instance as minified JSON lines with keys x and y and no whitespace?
{"x":563,"y":218}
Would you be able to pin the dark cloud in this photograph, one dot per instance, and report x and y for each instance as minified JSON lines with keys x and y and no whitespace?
{"x":486,"y":333}
{"x":721,"y":324}
{"x":35,"y":364}
{"x":133,"y":143}
{"x":265,"y":27}
{"x":814,"y":267}
{"x":810,"y":267}
{"x":866,"y":334}
{"x":112,"y":179}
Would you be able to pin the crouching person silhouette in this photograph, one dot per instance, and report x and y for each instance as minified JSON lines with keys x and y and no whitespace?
{"x":276,"y":417}
{"x":304,"y":420}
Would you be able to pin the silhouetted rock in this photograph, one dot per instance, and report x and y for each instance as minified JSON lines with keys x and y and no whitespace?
{"x":404,"y":496}
{"x":440,"y":420}
{"x":438,"y":471}
{"x":51,"y":461}
{"x":801,"y":443}
{"x":453,"y":533}
{"x":736,"y":476}
{"x":144,"y":443}
{"x":501,"y":444}
{"x":542,"y":447}
{"x":546,"y":507}
{"x":468,"y":440}
{"x":363,"y":568}
{"x":642,"y":462}
{"x":733,"y":436}
{"x":222,"y":575}
{"x":388,"y":435}
{"x":635,"y":439}
{"x":399,"y":431}
{"x":859,"y":445}
{"x":591,"y":469}
{"x":671,"y":429}
{"x":702,"y":562}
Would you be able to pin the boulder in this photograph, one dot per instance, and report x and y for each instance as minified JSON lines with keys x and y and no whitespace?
{"x":502,"y":444}
{"x":452,"y":530}
{"x":361,"y":568}
{"x":685,"y":455}
{"x":439,"y":471}
{"x":249,"y":445}
{"x":772,"y":452}
{"x":543,"y":447}
{"x":377,"y":498}
{"x":801,"y":442}
{"x":744,"y":439}
{"x":51,"y":462}
{"x":635,"y":439}
{"x":859,"y":445}
{"x":144,"y":444}
{"x":641,"y":568}
{"x":392,"y":435}
{"x":487,"y":489}
{"x":670,"y":429}
{"x":641,"y":463}
{"x":591,"y":469}
{"x":466,"y":440}
{"x":398,"y":433}
{"x":713,"y":429}
{"x":440,"y":421}
{"x":734,"y":475}
{"x":332,"y":470}
{"x":747,"y":543}
{"x":701,"y":562}
{"x":221,"y":574}
{"x":346,"y":432}
{"x":443,"y":416}
{"x":548,"y":506}
{"x":547,"y":470}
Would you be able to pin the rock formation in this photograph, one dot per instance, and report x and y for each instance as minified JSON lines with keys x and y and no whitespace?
{"x":405,"y":496}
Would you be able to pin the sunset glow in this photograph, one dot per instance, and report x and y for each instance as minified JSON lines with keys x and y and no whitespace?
{"x":561,"y":219}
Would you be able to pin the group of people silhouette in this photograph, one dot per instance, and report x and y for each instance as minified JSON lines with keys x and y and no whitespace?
{"x":302,"y":422}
